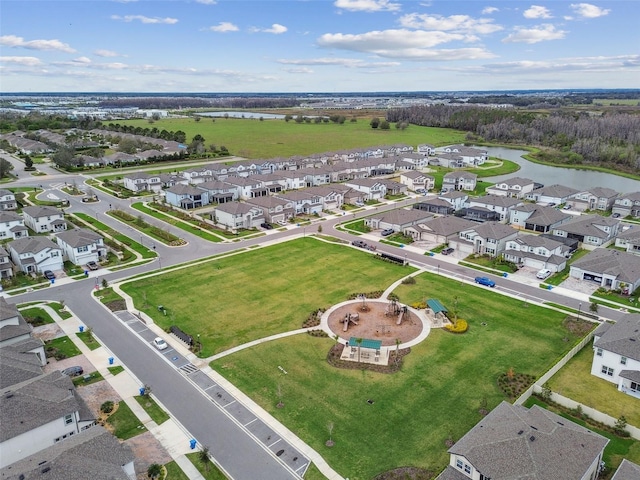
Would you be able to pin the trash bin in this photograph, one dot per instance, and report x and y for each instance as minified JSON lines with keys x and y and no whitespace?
{"x":549,"y":287}
{"x":142,"y":390}
{"x":505,"y":274}
{"x":81,"y":328}
{"x":110,"y":360}
{"x":192,"y":444}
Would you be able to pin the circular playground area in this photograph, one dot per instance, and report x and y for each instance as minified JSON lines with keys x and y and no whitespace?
{"x":381,"y":320}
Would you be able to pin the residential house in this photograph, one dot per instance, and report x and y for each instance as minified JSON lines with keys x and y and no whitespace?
{"x":627,"y":205}
{"x":81,"y":246}
{"x":21,"y":360}
{"x":398,"y":219}
{"x":35,"y":254}
{"x":434,"y":205}
{"x":439,"y":230}
{"x":186,"y":196}
{"x":629,"y":239}
{"x":235,"y":215}
{"x":274,"y":209}
{"x":142,"y":182}
{"x":591,"y":230}
{"x":553,"y":194}
{"x":460,"y":180}
{"x":471,"y":157}
{"x":303,"y":201}
{"x":39,"y":413}
{"x":481,"y":208}
{"x":627,"y":471}
{"x":616,"y":354}
{"x":119,"y":158}
{"x":372,"y":189}
{"x":205,"y":173}
{"x":411,"y":161}
{"x":537,"y":218}
{"x":456,"y":198}
{"x":447,"y":160}
{"x":272,"y":182}
{"x":13,"y":327}
{"x":248,"y":187}
{"x":537,"y":252}
{"x":12,"y":226}
{"x":79,"y":457}
{"x":597,"y":198}
{"x":7,"y":200}
{"x":426,"y":149}
{"x":516,"y":187}
{"x":513,"y":442}
{"x":220,"y":192}
{"x":331,"y":198}
{"x":394,"y":188}
{"x":44,"y":219}
{"x":350,"y":195}
{"x":610,"y":269}
{"x":417,"y":180}
{"x":6,"y":267}
{"x":294,"y":179}
{"x":489,"y":238}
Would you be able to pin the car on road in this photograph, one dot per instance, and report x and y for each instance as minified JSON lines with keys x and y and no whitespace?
{"x":544,"y":273}
{"x":266,"y":226}
{"x":387,"y":231}
{"x":359,"y":243}
{"x":93,"y":265}
{"x":485,"y":281}
{"x":49,"y":275}
{"x":159,"y":343}
{"x":73,"y":371}
{"x":447,"y":251}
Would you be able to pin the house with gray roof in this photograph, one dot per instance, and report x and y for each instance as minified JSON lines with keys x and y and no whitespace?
{"x":439,"y":230}
{"x":416,"y":180}
{"x":13,"y":327}
{"x":537,"y":252}
{"x":516,"y":187}
{"x":303,"y":201}
{"x":434,"y":205}
{"x":39,"y":413}
{"x":20,"y":361}
{"x":426,"y":149}
{"x":459,"y":180}
{"x":471,"y":156}
{"x":591,"y":230}
{"x":274,"y":209}
{"x":597,"y":198}
{"x":234,"y":215}
{"x":537,"y":218}
{"x":12,"y":226}
{"x":627,"y":471}
{"x":456,"y":198}
{"x":489,"y":238}
{"x":42,"y":219}
{"x":6,"y":267}
{"x":92,"y":454}
{"x":332,"y":198}
{"x":610,"y":269}
{"x":398,"y":220}
{"x":629,"y":239}
{"x":219,"y":191}
{"x":7,"y":200}
{"x":502,"y":206}
{"x":556,"y":194}
{"x":448,"y":160}
{"x":81,"y":246}
{"x":372,"y":189}
{"x":515,"y":442}
{"x":246,"y":186}
{"x":35,"y":254}
{"x":627,"y":205}
{"x":616,"y":354}
{"x":186,"y":196}
{"x":142,"y":182}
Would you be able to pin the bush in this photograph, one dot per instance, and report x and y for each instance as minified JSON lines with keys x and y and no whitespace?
{"x":107,"y":407}
{"x":409,"y":281}
{"x":460,"y":326}
{"x":419,"y":305}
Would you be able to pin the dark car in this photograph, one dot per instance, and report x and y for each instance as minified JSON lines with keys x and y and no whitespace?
{"x":266,"y":226}
{"x":49,"y":275}
{"x":73,"y":371}
{"x":485,"y":281}
{"x":447,"y":251}
{"x":615,"y":215}
{"x":359,"y":243}
{"x":93,"y":265}
{"x":387,"y":231}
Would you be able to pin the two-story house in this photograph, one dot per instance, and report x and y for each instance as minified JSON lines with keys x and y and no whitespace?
{"x":537,"y":252}
{"x":629,"y":239}
{"x":627,"y":205}
{"x":513,"y":441}
{"x":537,"y":218}
{"x":372,"y":189}
{"x":491,"y":207}
{"x":459,"y":180}
{"x":597,"y":198}
{"x":516,"y":187}
{"x":234,"y":215}
{"x":416,"y":180}
{"x":616,"y":353}
{"x":7,"y":200}
{"x":274,"y":209}
{"x":141,"y":182}
{"x":6,"y":267}
{"x":81,"y":246}
{"x":426,"y":149}
{"x":44,"y":219}
{"x":303,"y":201}
{"x":186,"y":196}
{"x":35,"y":254}
{"x":489,"y":238}
{"x":13,"y":327}
{"x":12,"y":226}
{"x":591,"y":230}
{"x":552,"y":194}
{"x":219,"y":191}
{"x":471,"y":157}
{"x":331,"y":198}
{"x":439,"y":230}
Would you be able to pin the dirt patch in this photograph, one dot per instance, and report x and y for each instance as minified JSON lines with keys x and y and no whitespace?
{"x":53,"y":364}
{"x":47,"y":332}
{"x":147,"y":450}
{"x":406,"y":473}
{"x":335,"y":354}
{"x":96,"y":394}
{"x":579,"y":328}
{"x":376,"y":323}
{"x":116,"y":305}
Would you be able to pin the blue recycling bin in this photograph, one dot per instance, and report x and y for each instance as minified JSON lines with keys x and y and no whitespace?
{"x":549,"y":287}
{"x":86,"y":273}
{"x":110,"y":360}
{"x":53,"y":280}
{"x":142,"y":389}
{"x":81,"y":328}
{"x":505,"y":274}
{"x":192,"y":444}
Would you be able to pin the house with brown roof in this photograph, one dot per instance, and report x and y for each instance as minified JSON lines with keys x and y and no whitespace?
{"x":515,"y":442}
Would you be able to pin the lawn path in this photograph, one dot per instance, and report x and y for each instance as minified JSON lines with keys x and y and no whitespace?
{"x":257,"y":342}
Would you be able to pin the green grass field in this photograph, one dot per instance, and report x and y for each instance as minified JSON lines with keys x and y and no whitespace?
{"x":124,"y":422}
{"x":262,"y":292}
{"x":154,"y":410}
{"x":277,"y":138}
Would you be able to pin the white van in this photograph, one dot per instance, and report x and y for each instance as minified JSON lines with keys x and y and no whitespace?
{"x":542,"y":274}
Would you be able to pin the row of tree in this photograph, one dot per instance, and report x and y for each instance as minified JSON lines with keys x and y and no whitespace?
{"x":179,"y":102}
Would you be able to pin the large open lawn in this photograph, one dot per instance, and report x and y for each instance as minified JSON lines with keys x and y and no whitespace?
{"x":277,"y":138}
{"x":234,"y":300}
{"x":437,"y":394}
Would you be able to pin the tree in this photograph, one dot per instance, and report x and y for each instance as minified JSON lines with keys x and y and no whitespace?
{"x":5,"y":167}
{"x":359,"y":342}
{"x":197,"y":119}
{"x":375,"y":122}
{"x":154,"y":471}
{"x":593,"y":307}
{"x":28,"y":163}
{"x":398,"y":342}
{"x":287,"y":118}
{"x":203,"y":458}
{"x":384,"y":125}
{"x":105,"y":284}
{"x":329,"y":442}
{"x":64,"y":157}
{"x":128,"y":145}
{"x":621,"y":425}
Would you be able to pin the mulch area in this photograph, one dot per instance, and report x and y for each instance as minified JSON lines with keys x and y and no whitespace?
{"x":95,"y":394}
{"x":374,"y":324}
{"x":333,"y":358}
{"x":405,"y":473}
{"x":147,"y":451}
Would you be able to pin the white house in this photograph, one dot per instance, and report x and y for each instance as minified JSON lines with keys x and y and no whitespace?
{"x":591,"y":230}
{"x":537,"y":252}
{"x":331,"y":198}
{"x":303,"y":201}
{"x":627,"y":205}
{"x":516,"y":187}
{"x":81,"y":246}
{"x":426,"y":149}
{"x":186,"y":196}
{"x":35,"y":254}
{"x":44,"y":219}
{"x":6,"y":267}
{"x":274,"y":209}
{"x":616,"y":354}
{"x":7,"y":200}
{"x":234,"y":215}
{"x":12,"y":226}
{"x":502,"y":206}
{"x":597,"y":198}
{"x":553,"y":194}
{"x":610,"y":269}
{"x":416,"y":180}
{"x":141,"y":182}
{"x":489,"y":238}
{"x":372,"y":189}
{"x":515,"y":442}
{"x":537,"y":218}
{"x":629,"y":239}
{"x":460,"y":180}
{"x":13,"y":330}
{"x":471,"y":157}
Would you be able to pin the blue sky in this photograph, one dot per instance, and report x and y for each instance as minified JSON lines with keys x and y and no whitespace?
{"x":317,"y":45}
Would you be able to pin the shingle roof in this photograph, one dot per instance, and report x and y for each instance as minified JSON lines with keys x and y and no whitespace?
{"x":18,"y":363}
{"x":559,"y":191}
{"x":32,"y":245}
{"x":586,"y":225}
{"x":496,"y":200}
{"x":402,"y":216}
{"x":623,"y":337}
{"x":542,"y":215}
{"x":494,"y":230}
{"x":627,"y":471}
{"x":235,"y":208}
{"x":446,"y":226}
{"x":515,"y":442}
{"x":625,"y":267}
{"x":38,"y":211}
{"x":79,"y":237}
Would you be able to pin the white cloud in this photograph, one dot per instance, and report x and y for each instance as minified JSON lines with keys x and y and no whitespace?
{"x":461,"y":23}
{"x":224,"y":27}
{"x":27,"y":61}
{"x":105,"y":53}
{"x":82,"y":60}
{"x":299,"y":70}
{"x":534,"y":35}
{"x":144,"y":19}
{"x":367,"y":5}
{"x":345,"y":62}
{"x":276,"y":29}
{"x":489,"y":10}
{"x":536,"y":11}
{"x":14,"y":41}
{"x":207,"y":2}
{"x":586,"y":10}
{"x":585,"y":64}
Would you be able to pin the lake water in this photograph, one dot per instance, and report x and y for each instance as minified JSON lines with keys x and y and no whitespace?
{"x":266,"y":116}
{"x":578,"y":179}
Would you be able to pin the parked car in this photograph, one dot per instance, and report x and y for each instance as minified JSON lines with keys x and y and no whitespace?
{"x":387,"y":231}
{"x":159,"y":343}
{"x":447,"y":251}
{"x":93,"y":265}
{"x":49,"y":275}
{"x":73,"y":371}
{"x":359,"y":243}
{"x":544,"y":273}
{"x":421,"y":191}
{"x":615,"y":215}
{"x":359,"y":204}
{"x":266,"y":226}
{"x":282,"y":223}
{"x":567,"y":207}
{"x":485,"y":281}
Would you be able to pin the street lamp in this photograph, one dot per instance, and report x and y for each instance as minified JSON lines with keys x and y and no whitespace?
{"x":579,"y":309}
{"x":438,"y":269}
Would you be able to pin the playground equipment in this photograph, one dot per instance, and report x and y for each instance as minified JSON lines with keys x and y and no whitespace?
{"x":393,"y":309}
{"x":349,"y":318}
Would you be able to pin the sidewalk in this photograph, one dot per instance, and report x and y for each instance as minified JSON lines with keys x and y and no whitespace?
{"x":170,"y":434}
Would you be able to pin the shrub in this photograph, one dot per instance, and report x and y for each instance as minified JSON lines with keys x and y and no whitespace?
{"x":409,"y":281}
{"x":460,"y":326}
{"x":107,"y":407}
{"x":419,"y":305}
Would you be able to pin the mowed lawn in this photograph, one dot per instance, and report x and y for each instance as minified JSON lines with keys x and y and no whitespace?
{"x":437,"y":394}
{"x":234,"y":300}
{"x":252,"y":138}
